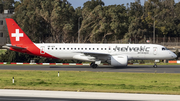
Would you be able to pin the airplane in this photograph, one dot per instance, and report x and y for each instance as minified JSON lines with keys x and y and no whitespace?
{"x":114,"y":54}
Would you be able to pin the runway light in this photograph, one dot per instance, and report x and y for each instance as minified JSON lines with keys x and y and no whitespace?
{"x":58,"y":73}
{"x":13,"y":80}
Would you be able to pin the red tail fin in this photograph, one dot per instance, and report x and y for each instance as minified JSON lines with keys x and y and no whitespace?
{"x":16,"y":34}
{"x":20,"y":41}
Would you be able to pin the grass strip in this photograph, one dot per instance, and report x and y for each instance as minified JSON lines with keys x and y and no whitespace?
{"x":155,"y":83}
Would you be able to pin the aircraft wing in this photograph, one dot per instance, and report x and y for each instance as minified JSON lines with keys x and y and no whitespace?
{"x":94,"y":53}
{"x":14,"y":47}
{"x":90,"y":56}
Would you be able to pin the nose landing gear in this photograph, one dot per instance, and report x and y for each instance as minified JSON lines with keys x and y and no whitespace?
{"x":155,"y":65}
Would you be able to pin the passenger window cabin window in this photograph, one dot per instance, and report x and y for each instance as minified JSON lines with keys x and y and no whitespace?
{"x":81,"y":48}
{"x":67,"y":48}
{"x":97,"y":48}
{"x":85,"y":48}
{"x":93,"y":48}
{"x":52,"y":48}
{"x":71,"y":48}
{"x":48,"y":48}
{"x":104,"y":48}
{"x":56,"y":48}
{"x":78,"y":48}
{"x":59,"y":48}
{"x":101,"y":48}
{"x":74,"y":48}
{"x":64,"y":48}
{"x":89,"y":48}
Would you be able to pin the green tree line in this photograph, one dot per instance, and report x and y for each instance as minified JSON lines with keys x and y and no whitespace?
{"x":56,"y":21}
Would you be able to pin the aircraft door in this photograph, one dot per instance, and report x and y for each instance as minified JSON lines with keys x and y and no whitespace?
{"x":154,"y":50}
{"x":42,"y":50}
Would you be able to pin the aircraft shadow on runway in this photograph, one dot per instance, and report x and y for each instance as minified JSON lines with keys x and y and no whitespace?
{"x":111,"y":67}
{"x":106,"y":67}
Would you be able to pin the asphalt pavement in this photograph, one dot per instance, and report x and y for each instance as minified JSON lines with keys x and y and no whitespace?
{"x":131,"y":68}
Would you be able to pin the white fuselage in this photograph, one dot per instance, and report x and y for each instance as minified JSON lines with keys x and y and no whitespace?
{"x":114,"y":54}
{"x":103,"y":51}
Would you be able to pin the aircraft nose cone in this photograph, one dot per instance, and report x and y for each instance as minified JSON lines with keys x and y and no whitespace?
{"x":174,"y":55}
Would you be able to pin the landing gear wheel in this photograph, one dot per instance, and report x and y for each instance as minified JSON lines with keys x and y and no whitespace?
{"x":155,"y":66}
{"x":93,"y":65}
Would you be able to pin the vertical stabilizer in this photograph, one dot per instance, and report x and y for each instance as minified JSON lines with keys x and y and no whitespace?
{"x":16,"y":34}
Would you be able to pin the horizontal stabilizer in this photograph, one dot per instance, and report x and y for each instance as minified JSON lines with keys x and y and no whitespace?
{"x":14,"y":47}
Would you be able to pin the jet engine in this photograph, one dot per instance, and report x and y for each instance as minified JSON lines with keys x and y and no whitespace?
{"x":119,"y":60}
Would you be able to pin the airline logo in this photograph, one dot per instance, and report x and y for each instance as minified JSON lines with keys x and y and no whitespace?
{"x":140,"y":50}
{"x":17,"y":35}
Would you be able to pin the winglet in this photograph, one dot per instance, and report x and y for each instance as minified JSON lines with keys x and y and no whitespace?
{"x":16,"y":34}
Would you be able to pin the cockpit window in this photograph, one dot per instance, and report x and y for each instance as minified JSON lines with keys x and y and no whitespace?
{"x":164,"y":48}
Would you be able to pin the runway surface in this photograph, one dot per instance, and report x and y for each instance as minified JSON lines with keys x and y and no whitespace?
{"x":32,"y":95}
{"x":50,"y":99}
{"x":131,"y":68}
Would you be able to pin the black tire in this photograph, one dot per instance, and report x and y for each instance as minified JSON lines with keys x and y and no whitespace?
{"x":155,"y":66}
{"x":94,"y":66}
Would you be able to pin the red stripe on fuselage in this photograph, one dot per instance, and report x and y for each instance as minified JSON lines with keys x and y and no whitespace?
{"x":32,"y":49}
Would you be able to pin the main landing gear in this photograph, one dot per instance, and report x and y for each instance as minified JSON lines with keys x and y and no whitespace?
{"x":93,"y":65}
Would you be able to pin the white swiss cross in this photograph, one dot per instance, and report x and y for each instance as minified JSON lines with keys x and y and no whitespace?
{"x":17,"y":35}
